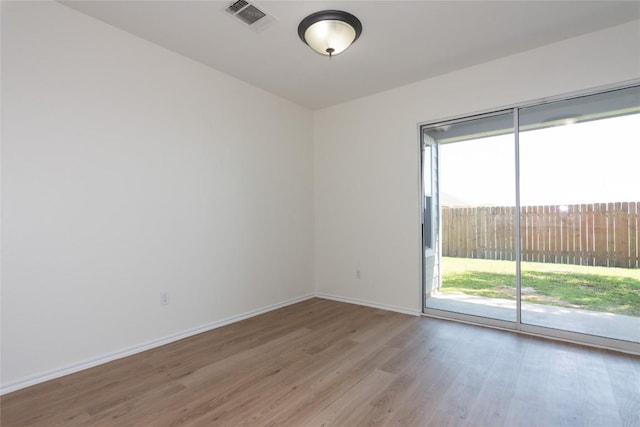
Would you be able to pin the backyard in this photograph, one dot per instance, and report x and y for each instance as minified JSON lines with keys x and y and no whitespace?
{"x":604,"y":289}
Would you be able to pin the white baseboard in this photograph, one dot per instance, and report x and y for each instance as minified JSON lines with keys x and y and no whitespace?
{"x":144,"y":347}
{"x":387,"y":307}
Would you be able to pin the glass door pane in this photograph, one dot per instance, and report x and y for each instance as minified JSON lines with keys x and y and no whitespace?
{"x":476,"y":233}
{"x":580,"y":201}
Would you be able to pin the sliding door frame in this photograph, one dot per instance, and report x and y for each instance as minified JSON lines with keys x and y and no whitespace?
{"x":517,"y":326}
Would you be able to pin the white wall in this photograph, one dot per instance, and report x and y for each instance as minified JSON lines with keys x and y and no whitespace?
{"x":366,"y":159}
{"x":128,"y":170}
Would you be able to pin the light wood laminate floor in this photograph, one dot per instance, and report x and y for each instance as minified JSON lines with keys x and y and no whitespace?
{"x":325,"y":363}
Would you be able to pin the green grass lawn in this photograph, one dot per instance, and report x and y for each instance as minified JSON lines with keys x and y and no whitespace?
{"x":611,"y":290}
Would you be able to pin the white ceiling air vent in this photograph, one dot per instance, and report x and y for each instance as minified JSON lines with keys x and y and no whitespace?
{"x":256,"y":18}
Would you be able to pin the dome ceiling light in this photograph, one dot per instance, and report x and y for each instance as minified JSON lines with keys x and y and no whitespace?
{"x":329,"y":32}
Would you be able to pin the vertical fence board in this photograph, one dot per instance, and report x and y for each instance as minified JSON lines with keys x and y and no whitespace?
{"x":447,"y":227}
{"x":530,"y":233}
{"x":611,"y":242}
{"x":494,"y":232}
{"x":511,"y":232}
{"x":564,"y":236}
{"x":469,"y":237}
{"x":524,"y":233}
{"x":539,"y":235}
{"x":588,"y":248}
{"x":500,"y":230}
{"x":622,"y":235}
{"x":600,"y":235}
{"x":569,"y":236}
{"x":575,"y":228}
{"x":534,"y":234}
{"x":546,"y":220}
{"x":582,"y":240}
{"x":529,"y":211}
{"x":633,"y":235}
{"x":462,"y":222}
{"x":554,"y":234}
{"x":484,"y":218}
{"x":457,"y":232}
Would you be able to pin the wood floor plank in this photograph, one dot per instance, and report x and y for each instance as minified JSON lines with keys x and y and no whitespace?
{"x":436,"y":378}
{"x":340,"y":410}
{"x":624,"y":374}
{"x":326,"y":363}
{"x":595,"y":389}
{"x":337,"y":378}
{"x":498,"y":389}
{"x":324,"y":370}
{"x":193,"y":388}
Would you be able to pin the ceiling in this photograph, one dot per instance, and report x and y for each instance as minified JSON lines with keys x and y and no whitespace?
{"x":402,"y":41}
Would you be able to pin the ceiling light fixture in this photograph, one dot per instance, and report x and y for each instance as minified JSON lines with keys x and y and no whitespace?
{"x":329,"y":32}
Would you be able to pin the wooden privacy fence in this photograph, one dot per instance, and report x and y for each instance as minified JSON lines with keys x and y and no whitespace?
{"x":604,"y":234}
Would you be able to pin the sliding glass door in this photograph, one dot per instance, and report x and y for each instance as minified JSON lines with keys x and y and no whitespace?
{"x":537,"y":218}
{"x":476,"y":218}
{"x":579,"y":194}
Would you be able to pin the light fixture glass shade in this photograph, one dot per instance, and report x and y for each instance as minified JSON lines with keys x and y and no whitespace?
{"x":330,"y":36}
{"x":329,"y":32}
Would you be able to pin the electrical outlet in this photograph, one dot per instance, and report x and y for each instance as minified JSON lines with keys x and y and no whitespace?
{"x":164,"y":298}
